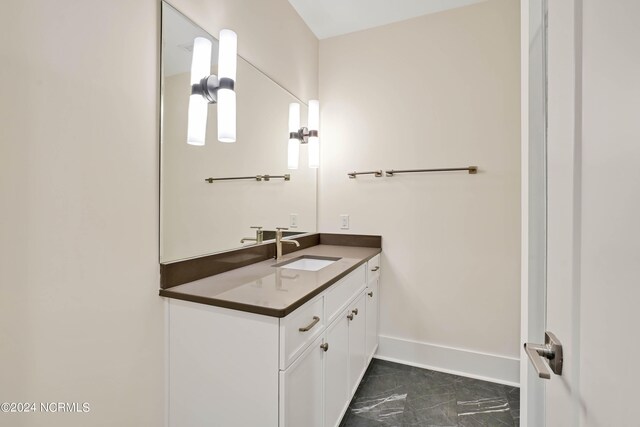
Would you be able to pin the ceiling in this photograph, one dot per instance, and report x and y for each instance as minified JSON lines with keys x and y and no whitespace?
{"x":330,"y":18}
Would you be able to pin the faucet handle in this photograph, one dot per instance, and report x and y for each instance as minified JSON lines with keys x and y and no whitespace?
{"x":257,"y":227}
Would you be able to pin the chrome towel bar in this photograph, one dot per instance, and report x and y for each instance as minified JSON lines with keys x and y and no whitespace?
{"x":471,"y":169}
{"x":286,"y":177}
{"x":377,"y":174}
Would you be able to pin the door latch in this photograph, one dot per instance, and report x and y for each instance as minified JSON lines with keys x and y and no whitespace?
{"x":551,"y":350}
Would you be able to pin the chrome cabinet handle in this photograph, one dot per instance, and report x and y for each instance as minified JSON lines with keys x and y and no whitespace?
{"x":551,"y":350}
{"x":355,"y":311}
{"x":376,"y":268}
{"x":325,"y":346}
{"x":350,"y":316}
{"x":307,"y":328}
{"x":370,"y":294}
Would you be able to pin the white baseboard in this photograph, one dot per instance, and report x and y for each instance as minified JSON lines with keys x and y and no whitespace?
{"x":467,"y":363}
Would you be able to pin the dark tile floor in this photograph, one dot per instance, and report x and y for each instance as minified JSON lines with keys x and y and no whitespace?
{"x":391,"y":394}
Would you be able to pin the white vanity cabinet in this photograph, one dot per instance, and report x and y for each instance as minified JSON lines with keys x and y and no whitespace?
{"x":239,"y":369}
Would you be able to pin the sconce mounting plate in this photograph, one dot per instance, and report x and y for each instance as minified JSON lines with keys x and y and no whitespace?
{"x":209,"y":86}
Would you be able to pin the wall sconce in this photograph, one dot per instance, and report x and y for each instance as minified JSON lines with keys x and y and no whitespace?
{"x":304,"y":135}
{"x":210,"y":89}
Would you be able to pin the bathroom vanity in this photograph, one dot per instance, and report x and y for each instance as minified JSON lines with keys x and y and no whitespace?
{"x":252,"y":342}
{"x":274,"y":344}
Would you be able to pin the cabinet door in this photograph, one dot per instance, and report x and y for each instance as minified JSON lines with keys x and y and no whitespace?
{"x":372,"y":295}
{"x":336,"y":370}
{"x":301,"y":390}
{"x":357,"y":357}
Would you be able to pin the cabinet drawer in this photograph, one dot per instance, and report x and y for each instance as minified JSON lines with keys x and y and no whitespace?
{"x":299,"y":329}
{"x":373,"y":268}
{"x":342,"y":293}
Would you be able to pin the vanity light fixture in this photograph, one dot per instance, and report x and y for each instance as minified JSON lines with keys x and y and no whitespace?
{"x":211,"y":89}
{"x":304,"y":135}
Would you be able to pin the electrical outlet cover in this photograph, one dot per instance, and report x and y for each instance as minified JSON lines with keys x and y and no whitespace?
{"x":344,"y":222}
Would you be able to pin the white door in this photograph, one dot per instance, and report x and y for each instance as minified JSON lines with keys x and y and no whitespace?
{"x":301,"y":397}
{"x":371,"y":341}
{"x":593,"y":212}
{"x":357,"y":357}
{"x":336,"y":370}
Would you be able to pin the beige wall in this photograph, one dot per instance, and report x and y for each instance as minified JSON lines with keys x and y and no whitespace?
{"x":80,"y":319}
{"x":437,"y":91}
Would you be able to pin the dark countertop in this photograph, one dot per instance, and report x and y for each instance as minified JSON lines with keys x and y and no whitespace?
{"x":273,"y":291}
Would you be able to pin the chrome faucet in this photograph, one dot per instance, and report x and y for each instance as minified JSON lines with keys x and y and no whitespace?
{"x":258,"y":238}
{"x":279,"y":242}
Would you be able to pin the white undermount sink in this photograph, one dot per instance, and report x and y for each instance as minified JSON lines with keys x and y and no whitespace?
{"x":308,"y":263}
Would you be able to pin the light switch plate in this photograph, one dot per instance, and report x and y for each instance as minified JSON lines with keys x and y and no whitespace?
{"x":344,"y":222}
{"x":293,"y":220}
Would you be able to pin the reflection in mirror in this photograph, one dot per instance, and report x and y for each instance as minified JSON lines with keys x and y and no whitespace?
{"x":200,"y":216}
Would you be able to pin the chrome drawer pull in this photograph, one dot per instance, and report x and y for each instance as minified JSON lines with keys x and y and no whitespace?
{"x":307,"y":328}
{"x":324,"y":346}
{"x":355,"y":311}
{"x":350,"y":316}
{"x":370,"y":294}
{"x":376,"y":268}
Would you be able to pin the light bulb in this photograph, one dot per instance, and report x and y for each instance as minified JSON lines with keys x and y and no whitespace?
{"x":314,"y":141}
{"x":197,"y":120}
{"x":314,"y":152}
{"x":314,"y":115}
{"x":227,"y":55}
{"x":293,"y":154}
{"x":294,"y":117}
{"x":226,"y":115}
{"x":197,"y":115}
{"x":201,"y":59}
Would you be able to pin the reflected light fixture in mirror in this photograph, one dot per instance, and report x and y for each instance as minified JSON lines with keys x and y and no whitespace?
{"x":304,"y":135}
{"x":210,"y":89}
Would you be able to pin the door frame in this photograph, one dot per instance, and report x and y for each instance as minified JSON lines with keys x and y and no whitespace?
{"x":533,"y":203}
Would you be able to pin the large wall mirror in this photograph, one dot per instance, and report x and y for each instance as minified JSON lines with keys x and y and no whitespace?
{"x":198,"y":217}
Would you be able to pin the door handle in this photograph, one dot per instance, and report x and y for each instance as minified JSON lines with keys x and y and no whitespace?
{"x":551,"y":350}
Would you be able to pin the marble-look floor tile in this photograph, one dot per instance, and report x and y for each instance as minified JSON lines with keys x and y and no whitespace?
{"x":387,"y":409}
{"x":497,"y":419}
{"x":431,"y":410}
{"x":392,"y":394}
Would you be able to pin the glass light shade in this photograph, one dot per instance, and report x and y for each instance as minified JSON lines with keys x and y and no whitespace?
{"x":227,"y":55}
{"x":201,"y":59}
{"x":226,"y":115}
{"x":314,"y":152}
{"x":313,"y":121}
{"x":197,"y":120}
{"x":293,"y":154}
{"x":294,"y":117}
